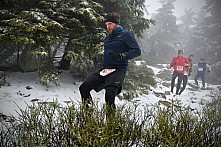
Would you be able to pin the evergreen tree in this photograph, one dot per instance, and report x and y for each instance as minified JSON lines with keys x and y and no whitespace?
{"x":132,"y":14}
{"x":41,"y":25}
{"x":161,"y":39}
{"x":37,"y":29}
{"x":206,"y":39}
{"x":188,"y":21}
{"x":24,"y":25}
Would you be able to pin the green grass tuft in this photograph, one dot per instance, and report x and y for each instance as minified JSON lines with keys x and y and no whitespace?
{"x":51,"y":124}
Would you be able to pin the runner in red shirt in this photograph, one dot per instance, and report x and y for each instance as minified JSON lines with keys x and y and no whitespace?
{"x":179,"y":64}
{"x":186,"y":74}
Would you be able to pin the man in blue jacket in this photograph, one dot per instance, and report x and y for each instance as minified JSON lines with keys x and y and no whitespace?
{"x":119,"y":46}
{"x":201,"y":70}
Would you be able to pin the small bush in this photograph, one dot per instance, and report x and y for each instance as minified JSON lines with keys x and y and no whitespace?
{"x":50,"y":124}
{"x":139,"y":78}
{"x":48,"y":72}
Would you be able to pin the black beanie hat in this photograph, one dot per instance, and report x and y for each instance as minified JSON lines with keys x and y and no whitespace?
{"x":112,"y":19}
{"x":180,"y":51}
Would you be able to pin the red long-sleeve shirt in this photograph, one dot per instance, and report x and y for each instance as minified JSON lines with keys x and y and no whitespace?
{"x":179,"y":64}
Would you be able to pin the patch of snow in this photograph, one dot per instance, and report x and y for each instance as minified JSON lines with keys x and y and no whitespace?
{"x":18,"y":94}
{"x":155,"y":69}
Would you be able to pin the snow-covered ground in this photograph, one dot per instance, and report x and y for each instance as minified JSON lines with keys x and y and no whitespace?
{"x":23,"y":88}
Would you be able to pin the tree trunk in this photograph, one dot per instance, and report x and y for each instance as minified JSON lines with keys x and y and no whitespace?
{"x":65,"y":63}
{"x":17,"y":61}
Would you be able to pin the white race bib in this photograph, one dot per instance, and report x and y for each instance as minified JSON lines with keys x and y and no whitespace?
{"x":200,"y":69}
{"x":105,"y":72}
{"x":185,"y":72}
{"x":179,"y":68}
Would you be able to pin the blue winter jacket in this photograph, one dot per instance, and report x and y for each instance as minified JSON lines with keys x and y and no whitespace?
{"x":201,"y":69}
{"x":120,"y":41}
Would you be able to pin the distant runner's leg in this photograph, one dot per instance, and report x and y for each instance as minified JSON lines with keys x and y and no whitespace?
{"x":173,"y":81}
{"x":180,"y":78}
{"x":203,"y":80}
{"x":185,"y":79}
{"x":196,"y":78}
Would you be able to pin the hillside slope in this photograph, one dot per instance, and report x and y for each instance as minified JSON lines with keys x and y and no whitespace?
{"x":24,"y":88}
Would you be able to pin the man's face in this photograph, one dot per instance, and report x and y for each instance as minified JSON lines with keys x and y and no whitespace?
{"x":180,"y":54}
{"x":191,"y":58}
{"x":110,"y":26}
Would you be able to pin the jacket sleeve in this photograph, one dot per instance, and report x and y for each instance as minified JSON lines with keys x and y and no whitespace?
{"x":191,"y":68}
{"x":195,"y":65}
{"x":188,"y":66}
{"x":172,"y":62}
{"x":187,"y":62}
{"x":209,"y":67}
{"x":134,"y":49}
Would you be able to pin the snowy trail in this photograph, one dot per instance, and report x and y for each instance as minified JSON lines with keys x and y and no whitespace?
{"x":17,"y":92}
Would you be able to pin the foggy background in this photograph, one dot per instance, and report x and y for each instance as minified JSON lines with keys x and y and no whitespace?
{"x":34,"y":35}
{"x":191,"y":25}
{"x":179,"y":6}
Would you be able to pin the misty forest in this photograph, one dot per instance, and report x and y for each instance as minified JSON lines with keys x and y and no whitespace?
{"x":51,"y":36}
{"x":45,"y":35}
